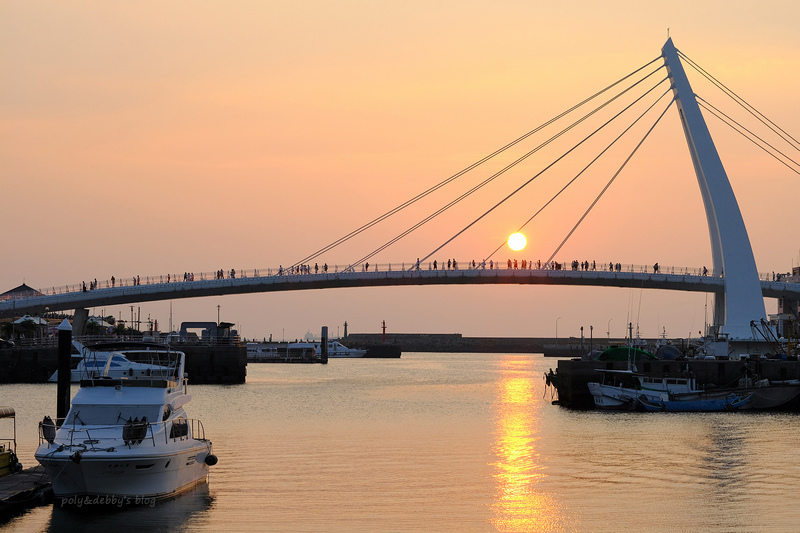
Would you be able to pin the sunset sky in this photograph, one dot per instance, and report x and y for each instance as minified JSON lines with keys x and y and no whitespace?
{"x":146,"y":138}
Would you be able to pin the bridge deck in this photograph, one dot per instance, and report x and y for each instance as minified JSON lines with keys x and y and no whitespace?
{"x":291,"y":282}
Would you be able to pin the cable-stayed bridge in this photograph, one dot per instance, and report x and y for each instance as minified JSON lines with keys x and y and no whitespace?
{"x":632,"y":276}
{"x":732,"y":278}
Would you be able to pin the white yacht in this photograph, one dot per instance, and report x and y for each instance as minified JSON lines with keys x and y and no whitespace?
{"x":261,"y":351}
{"x":137,"y":359}
{"x":127,"y":440}
{"x":337,"y":349}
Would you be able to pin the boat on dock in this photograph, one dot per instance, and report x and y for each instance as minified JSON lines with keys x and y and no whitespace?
{"x":128,"y":439}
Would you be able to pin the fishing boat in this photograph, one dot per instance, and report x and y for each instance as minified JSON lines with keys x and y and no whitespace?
{"x":622,"y":389}
{"x":114,"y":360}
{"x":731,"y":402}
{"x":628,"y":389}
{"x":128,"y":439}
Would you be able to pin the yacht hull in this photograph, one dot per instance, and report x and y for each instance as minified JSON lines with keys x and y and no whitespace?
{"x":130,"y":478}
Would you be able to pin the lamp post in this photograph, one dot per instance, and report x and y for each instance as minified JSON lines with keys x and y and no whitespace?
{"x":591,"y":338}
{"x":608,"y":329}
{"x":218,"y":314}
{"x":557,"y":319}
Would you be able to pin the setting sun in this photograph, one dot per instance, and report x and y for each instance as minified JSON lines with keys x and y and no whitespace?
{"x":517,"y":241}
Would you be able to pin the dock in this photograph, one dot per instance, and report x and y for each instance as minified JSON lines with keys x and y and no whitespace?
{"x":19,"y":492}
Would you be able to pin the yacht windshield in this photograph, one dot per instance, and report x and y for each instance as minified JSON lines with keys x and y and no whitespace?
{"x":109,"y":415}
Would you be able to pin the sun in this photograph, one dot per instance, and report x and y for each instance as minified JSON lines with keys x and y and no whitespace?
{"x":517,"y":241}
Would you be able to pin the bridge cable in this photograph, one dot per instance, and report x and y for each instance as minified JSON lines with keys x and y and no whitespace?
{"x":610,"y":181}
{"x":741,"y":101}
{"x":704,"y":103}
{"x":513,"y":164}
{"x":552,"y":164}
{"x":727,"y":121}
{"x":570,"y":182}
{"x":465,"y":170}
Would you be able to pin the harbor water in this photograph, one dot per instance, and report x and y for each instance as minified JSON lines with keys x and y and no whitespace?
{"x":449,"y":442}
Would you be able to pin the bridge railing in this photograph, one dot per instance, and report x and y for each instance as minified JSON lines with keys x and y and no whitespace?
{"x":324,"y":268}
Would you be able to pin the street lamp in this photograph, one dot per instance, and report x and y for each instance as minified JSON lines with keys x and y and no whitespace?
{"x":608,"y":329}
{"x":557,"y":319}
{"x":591,"y":337}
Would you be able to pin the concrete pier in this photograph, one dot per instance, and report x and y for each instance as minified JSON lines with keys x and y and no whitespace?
{"x":19,"y":492}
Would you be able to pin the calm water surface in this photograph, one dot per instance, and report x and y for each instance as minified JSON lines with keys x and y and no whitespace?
{"x":451,"y":442}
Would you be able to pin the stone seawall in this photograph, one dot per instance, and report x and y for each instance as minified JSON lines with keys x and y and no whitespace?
{"x":455,"y":342}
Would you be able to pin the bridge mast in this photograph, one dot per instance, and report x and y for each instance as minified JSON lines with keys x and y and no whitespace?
{"x":741,"y":300}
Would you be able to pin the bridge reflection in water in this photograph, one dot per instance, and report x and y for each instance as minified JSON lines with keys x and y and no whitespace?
{"x":521,"y":504}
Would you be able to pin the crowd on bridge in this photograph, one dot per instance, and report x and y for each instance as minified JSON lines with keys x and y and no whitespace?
{"x":450,"y":264}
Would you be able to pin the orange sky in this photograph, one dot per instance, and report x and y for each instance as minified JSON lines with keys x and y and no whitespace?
{"x":146,"y":138}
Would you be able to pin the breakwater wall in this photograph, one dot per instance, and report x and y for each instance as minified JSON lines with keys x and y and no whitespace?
{"x":455,"y":342}
{"x":204,"y":363}
{"x":572,"y":376}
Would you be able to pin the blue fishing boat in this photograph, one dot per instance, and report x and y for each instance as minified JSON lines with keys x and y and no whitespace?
{"x":731,"y":402}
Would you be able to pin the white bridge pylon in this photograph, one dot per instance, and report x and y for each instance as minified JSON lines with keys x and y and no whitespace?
{"x":741,"y":300}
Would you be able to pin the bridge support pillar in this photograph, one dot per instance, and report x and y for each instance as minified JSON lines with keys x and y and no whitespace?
{"x":742,"y":302}
{"x":79,"y":320}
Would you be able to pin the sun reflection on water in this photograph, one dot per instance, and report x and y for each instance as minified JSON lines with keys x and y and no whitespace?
{"x":520,"y":504}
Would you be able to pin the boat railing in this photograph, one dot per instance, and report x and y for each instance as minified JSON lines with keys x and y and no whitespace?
{"x":104,"y":437}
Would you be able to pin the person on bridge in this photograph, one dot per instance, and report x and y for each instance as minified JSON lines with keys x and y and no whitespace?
{"x":434,"y":264}
{"x":655,"y":268}
{"x":112,"y":280}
